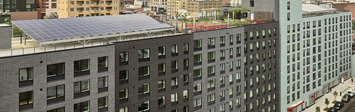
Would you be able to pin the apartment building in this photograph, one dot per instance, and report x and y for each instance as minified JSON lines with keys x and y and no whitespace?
{"x":175,"y":6}
{"x":261,"y":61}
{"x":315,"y":55}
{"x":17,"y":10}
{"x":87,"y":8}
{"x":262,"y":9}
{"x":218,"y":70}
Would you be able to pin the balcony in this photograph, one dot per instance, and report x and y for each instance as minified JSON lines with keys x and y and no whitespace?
{"x":94,"y":5}
{"x":94,"y":11}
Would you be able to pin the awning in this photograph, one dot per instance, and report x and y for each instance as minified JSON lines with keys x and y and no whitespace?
{"x":289,"y":109}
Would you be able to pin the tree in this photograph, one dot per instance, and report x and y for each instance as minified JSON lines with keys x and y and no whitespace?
{"x":317,"y":109}
{"x":353,"y":25}
{"x":142,"y":5}
{"x":335,"y":93}
{"x":177,"y":15}
{"x":52,"y":16}
{"x":218,"y":10}
{"x":16,"y":30}
{"x":326,"y":102}
{"x":244,"y":9}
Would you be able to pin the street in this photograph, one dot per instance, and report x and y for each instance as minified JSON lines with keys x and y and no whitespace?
{"x":348,"y":106}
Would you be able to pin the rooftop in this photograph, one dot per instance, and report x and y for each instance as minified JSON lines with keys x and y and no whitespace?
{"x":310,"y":10}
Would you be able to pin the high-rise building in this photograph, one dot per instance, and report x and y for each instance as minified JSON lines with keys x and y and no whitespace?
{"x":315,"y":52}
{"x":87,"y":8}
{"x":11,"y":10}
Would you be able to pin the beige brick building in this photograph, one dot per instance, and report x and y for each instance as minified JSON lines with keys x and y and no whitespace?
{"x":190,"y":6}
{"x":85,"y":8}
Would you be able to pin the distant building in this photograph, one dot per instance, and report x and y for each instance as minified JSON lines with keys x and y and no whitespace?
{"x":18,"y":9}
{"x":191,"y":6}
{"x":80,"y":8}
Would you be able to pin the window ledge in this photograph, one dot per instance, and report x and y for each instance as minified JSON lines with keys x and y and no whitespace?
{"x":123,"y":100}
{"x":104,"y":109}
{"x":26,"y":106}
{"x":55,"y":100}
{"x":82,"y":94}
{"x":143,"y":95}
{"x":104,"y":89}
{"x":197,"y":78}
{"x":76,"y":74}
{"x":144,"y":77}
{"x":26,"y":83}
{"x":57,"y":77}
{"x":103,"y":69}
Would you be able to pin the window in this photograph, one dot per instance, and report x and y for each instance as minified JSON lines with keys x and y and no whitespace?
{"x":222,"y":41}
{"x":81,"y":66}
{"x":102,"y":102}
{"x":143,"y":55}
{"x":26,"y":74}
{"x":71,"y":3}
{"x":123,"y":94}
{"x":211,"y":84}
{"x":161,"y":84}
{"x":102,"y":82}
{"x":144,"y":106}
{"x":123,"y":76}
{"x":123,"y":58}
{"x":185,"y":94}
{"x":26,"y":98}
{"x":161,"y":68}
{"x":174,"y":66}
{"x":211,"y":98}
{"x":174,"y":49}
{"x":174,"y":98}
{"x":161,"y":52}
{"x":143,"y":72}
{"x":211,"y":42}
{"x":124,"y":109}
{"x":197,"y":45}
{"x":60,"y":109}
{"x":197,"y":87}
{"x":82,"y":106}
{"x":186,"y":108}
{"x":102,"y":62}
{"x":55,"y":92}
{"x":288,"y":5}
{"x":211,"y":56}
{"x":55,"y":70}
{"x":161,"y":101}
{"x":197,"y":73}
{"x":143,"y":89}
{"x":174,"y":82}
{"x":198,"y":59}
{"x":197,"y":102}
{"x":186,"y":48}
{"x":186,"y":63}
{"x":222,"y":54}
{"x":211,"y":70}
{"x":82,"y":86}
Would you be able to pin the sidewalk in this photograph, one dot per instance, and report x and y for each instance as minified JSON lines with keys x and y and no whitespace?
{"x":339,"y":88}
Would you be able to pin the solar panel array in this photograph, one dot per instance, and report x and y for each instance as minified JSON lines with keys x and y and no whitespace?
{"x":50,"y":29}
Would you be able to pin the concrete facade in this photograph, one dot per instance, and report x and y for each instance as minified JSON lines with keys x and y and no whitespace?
{"x":261,"y":70}
{"x":5,"y":37}
{"x":231,"y":73}
{"x":262,"y":9}
{"x":9,"y":67}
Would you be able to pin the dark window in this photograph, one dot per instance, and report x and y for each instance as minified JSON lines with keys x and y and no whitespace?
{"x":123,"y":75}
{"x":26,"y":74}
{"x":143,"y":107}
{"x":161,"y":68}
{"x":81,"y":86}
{"x":55,"y":92}
{"x":61,"y":109}
{"x":174,"y":65}
{"x":26,"y":98}
{"x":197,"y":45}
{"x":102,"y":82}
{"x":251,"y":3}
{"x":124,"y":58}
{"x":143,"y":71}
{"x":161,"y":52}
{"x":186,"y":63}
{"x":102,"y":102}
{"x":143,"y":55}
{"x":55,"y":70}
{"x":174,"y":49}
{"x":123,"y":94}
{"x":82,"y":106}
{"x":81,"y":65}
{"x":102,"y":63}
{"x":186,"y":48}
{"x":143,"y":89}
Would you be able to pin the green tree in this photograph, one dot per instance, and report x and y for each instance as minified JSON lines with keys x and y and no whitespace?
{"x":16,"y":30}
{"x":218,"y":10}
{"x":326,"y":102}
{"x":142,"y":5}
{"x":335,"y":93}
{"x":353,"y":25}
{"x":317,"y":109}
{"x":177,"y":15}
{"x":184,"y":15}
{"x":52,"y":16}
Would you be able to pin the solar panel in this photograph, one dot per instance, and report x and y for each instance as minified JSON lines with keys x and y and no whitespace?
{"x":50,"y":29}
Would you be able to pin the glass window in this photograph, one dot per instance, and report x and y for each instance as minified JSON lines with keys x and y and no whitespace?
{"x":161,"y":67}
{"x":211,"y":41}
{"x":82,"y":106}
{"x":174,"y":48}
{"x":143,"y":53}
{"x":26,"y":74}
{"x":82,"y":65}
{"x":81,"y":86}
{"x":102,"y":82}
{"x":197,"y":58}
{"x":161,"y":101}
{"x":174,"y":65}
{"x":123,"y":75}
{"x":143,"y":89}
{"x":161,"y":84}
{"x":161,"y":51}
{"x":222,"y":40}
{"x":185,"y":93}
{"x":197,"y":43}
{"x":174,"y":81}
{"x":26,"y":98}
{"x":102,"y":102}
{"x":60,"y":109}
{"x":144,"y":106}
{"x":211,"y":97}
{"x":174,"y":97}
{"x":124,"y":109}
{"x":186,"y":63}
{"x":186,"y":47}
{"x":197,"y":87}
{"x":123,"y":93}
{"x":198,"y":73}
{"x":102,"y":62}
{"x":197,"y":102}
{"x":55,"y":69}
{"x":123,"y":57}
{"x":211,"y":84}
{"x":143,"y":71}
{"x":55,"y":92}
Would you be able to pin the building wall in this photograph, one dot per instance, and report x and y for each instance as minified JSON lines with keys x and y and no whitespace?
{"x":230,"y":85}
{"x":265,"y":7}
{"x":30,"y":15}
{"x":9,"y":81}
{"x":191,"y":6}
{"x":5,"y":37}
{"x":94,"y":8}
{"x":133,"y":65}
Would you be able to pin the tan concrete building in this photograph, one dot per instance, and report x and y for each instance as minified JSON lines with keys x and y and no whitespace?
{"x":85,"y":8}
{"x":190,"y":6}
